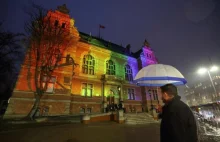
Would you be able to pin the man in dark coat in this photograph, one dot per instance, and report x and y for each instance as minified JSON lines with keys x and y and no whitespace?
{"x":178,"y":123}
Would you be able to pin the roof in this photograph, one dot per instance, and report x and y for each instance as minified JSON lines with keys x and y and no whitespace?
{"x":106,"y":45}
{"x":137,"y":54}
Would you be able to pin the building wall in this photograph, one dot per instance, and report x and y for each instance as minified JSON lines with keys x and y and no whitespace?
{"x":203,"y":93}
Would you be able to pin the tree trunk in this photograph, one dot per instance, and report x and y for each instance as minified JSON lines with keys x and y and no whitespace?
{"x":37,"y":94}
{"x":34,"y":109}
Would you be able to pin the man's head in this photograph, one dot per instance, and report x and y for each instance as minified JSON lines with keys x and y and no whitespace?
{"x":168,"y":91}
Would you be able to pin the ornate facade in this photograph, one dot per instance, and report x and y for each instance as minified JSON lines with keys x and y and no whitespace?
{"x":104,"y":75}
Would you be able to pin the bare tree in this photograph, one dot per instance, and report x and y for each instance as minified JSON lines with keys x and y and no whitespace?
{"x":48,"y":40}
{"x":10,"y":54}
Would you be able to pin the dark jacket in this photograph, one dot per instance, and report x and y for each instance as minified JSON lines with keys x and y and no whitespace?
{"x":178,"y":123}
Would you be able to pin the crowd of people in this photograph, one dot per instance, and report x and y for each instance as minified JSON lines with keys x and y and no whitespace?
{"x":114,"y":107}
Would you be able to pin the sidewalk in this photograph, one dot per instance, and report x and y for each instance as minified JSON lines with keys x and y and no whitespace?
{"x":13,"y":124}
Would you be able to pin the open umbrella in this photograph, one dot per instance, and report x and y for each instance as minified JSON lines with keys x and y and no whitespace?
{"x":159,"y":75}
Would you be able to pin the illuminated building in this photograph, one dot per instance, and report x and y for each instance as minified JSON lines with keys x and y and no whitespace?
{"x":104,"y":75}
{"x":202,"y":97}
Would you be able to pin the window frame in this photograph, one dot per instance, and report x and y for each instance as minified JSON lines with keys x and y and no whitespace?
{"x":128,"y":73}
{"x":110,"y":67}
{"x":131,"y":93}
{"x":86,"y":89}
{"x":88,"y":65}
{"x":52,"y":82}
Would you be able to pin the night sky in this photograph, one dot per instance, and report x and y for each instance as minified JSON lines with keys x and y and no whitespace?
{"x":183,"y":33}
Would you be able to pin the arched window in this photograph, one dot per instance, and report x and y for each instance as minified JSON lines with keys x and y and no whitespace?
{"x":128,"y":73}
{"x":110,"y":67}
{"x":88,"y":64}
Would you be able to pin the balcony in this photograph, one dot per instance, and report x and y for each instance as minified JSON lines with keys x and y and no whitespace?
{"x":117,"y":78}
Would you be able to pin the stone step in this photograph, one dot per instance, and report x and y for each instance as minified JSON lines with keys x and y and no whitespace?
{"x":140,"y":118}
{"x":140,"y":122}
{"x":134,"y":119}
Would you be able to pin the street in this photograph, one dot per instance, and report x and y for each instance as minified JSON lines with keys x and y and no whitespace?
{"x":99,"y":132}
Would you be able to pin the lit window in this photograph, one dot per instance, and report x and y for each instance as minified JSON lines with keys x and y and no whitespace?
{"x":128,"y":73}
{"x":88,"y":64}
{"x":110,"y":67}
{"x":87,"y":89}
{"x":131,"y":95}
{"x":50,"y":83}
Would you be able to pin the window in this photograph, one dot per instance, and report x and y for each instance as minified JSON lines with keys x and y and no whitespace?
{"x":155,"y":95}
{"x":63,"y":25}
{"x":88,"y":64}
{"x":56,"y":23}
{"x":82,"y":110}
{"x":128,"y":73}
{"x":131,"y":94}
{"x":87,"y":89}
{"x":110,"y":67}
{"x":50,"y":83}
{"x":89,"y":110}
{"x":66,"y":80}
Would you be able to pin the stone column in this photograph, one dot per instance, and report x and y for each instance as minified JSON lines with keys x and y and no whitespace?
{"x":104,"y":105}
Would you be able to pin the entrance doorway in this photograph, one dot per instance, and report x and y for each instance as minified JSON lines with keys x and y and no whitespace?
{"x":111,"y":98}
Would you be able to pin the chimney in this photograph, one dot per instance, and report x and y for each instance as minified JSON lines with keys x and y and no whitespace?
{"x":128,"y":49}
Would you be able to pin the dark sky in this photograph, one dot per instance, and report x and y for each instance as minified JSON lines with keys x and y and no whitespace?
{"x":183,"y":33}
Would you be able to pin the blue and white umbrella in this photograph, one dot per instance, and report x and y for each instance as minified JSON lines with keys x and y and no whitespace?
{"x":159,"y":75}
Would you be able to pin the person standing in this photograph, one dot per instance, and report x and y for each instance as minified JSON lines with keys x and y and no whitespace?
{"x":178,"y":123}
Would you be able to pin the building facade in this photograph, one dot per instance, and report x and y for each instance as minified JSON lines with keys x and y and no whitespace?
{"x":104,"y":75}
{"x":203,"y":98}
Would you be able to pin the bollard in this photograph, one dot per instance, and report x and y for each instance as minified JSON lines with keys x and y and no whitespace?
{"x":86,"y":119}
{"x":120,"y":117}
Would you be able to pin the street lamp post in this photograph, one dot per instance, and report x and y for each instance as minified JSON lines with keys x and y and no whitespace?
{"x":212,"y":69}
{"x":149,"y":92}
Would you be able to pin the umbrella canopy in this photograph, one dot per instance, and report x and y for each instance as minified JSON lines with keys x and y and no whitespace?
{"x":159,"y":75}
